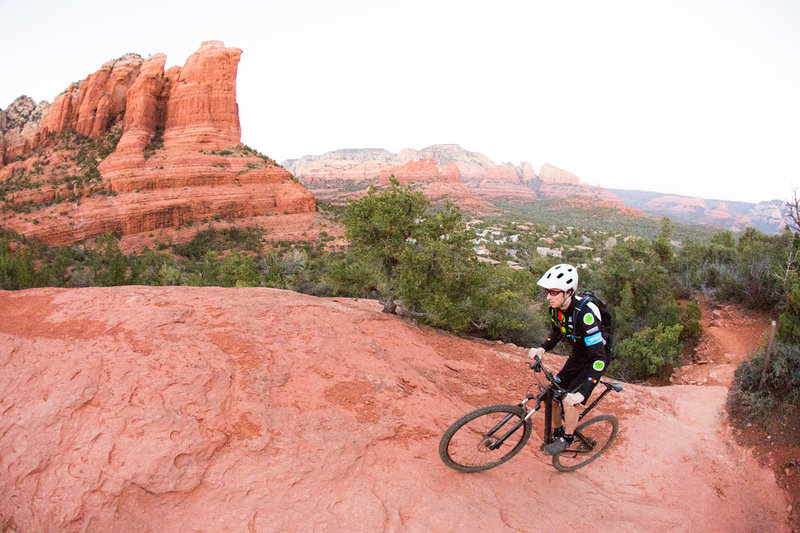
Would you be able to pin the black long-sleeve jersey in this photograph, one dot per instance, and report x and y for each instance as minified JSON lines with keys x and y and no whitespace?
{"x":589,"y":356}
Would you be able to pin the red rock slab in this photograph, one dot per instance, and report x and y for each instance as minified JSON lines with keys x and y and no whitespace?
{"x":182,"y":409}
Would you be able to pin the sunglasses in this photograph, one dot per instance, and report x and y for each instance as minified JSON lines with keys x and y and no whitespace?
{"x":554,"y":292}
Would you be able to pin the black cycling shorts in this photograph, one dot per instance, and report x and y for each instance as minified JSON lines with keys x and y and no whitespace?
{"x":582,"y":375}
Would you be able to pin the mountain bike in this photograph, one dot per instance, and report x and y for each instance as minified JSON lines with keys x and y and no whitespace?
{"x":491,"y":435}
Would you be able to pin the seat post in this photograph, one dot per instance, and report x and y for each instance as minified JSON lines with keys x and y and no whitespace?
{"x":596,"y":401}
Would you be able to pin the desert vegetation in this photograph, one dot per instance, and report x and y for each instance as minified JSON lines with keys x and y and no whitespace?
{"x":53,"y":183}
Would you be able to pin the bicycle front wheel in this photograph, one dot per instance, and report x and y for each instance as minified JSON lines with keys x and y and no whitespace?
{"x":592,"y":438}
{"x":485,"y":438}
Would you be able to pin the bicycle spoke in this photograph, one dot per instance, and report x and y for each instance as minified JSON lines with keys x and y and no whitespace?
{"x":591,"y":439}
{"x":471,"y":444}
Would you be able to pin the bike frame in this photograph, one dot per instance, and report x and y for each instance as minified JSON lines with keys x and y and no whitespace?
{"x":548,"y":395}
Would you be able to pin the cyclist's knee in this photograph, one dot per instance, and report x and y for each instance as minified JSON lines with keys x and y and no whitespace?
{"x":573,"y":398}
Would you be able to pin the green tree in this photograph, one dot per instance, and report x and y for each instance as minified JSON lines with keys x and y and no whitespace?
{"x":624,"y":314}
{"x":61,"y":264}
{"x":436,"y":270}
{"x":355,"y":277}
{"x":379,"y":225}
{"x":636,"y":264}
{"x":662,"y":245}
{"x":110,"y":264}
{"x":17,"y":270}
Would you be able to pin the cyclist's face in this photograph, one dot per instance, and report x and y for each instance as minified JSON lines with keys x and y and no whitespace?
{"x":558,"y":299}
{"x":555,"y":298}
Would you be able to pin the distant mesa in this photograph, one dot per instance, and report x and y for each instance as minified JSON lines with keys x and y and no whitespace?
{"x":347,"y":173}
{"x":478,"y":180}
{"x":552,"y":174}
{"x":134,"y":148}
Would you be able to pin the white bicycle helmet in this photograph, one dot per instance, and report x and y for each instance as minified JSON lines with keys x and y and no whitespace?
{"x":562,"y":277}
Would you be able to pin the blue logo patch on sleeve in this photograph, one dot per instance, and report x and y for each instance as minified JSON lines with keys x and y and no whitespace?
{"x":597,"y":338}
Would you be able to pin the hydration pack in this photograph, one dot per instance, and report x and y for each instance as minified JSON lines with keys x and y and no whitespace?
{"x":608,"y":329}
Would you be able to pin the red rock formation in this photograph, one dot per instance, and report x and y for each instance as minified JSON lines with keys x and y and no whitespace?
{"x":18,"y":127}
{"x":202,"y":109}
{"x":450,"y":173}
{"x":102,"y":95}
{"x":502,"y":174}
{"x":59,"y":116}
{"x":411,"y":172}
{"x":91,"y":106}
{"x":551,"y":174}
{"x":677,"y":204}
{"x":199,"y":171}
{"x":145,"y":110}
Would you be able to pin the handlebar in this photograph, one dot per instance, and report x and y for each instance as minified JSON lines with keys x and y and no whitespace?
{"x":537,"y":366}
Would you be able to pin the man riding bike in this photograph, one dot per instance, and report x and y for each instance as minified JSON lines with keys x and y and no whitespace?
{"x":579,"y":320}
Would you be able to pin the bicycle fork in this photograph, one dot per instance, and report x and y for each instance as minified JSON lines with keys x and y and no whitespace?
{"x":548,"y":416}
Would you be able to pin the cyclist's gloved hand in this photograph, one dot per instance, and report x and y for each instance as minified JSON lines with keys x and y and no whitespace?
{"x":536,"y":351}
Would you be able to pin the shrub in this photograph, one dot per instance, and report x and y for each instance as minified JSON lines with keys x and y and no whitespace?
{"x":647,"y":353}
{"x":781,"y":386}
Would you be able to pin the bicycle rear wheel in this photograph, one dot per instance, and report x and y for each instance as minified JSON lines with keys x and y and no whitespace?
{"x":471,"y":443}
{"x":592,"y":438}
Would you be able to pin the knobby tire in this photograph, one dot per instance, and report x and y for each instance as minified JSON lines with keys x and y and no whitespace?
{"x":464,"y":446}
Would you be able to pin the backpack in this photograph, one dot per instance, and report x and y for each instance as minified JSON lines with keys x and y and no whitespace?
{"x":609,"y":328}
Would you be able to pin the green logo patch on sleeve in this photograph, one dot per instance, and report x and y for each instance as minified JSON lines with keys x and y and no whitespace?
{"x":588,"y":319}
{"x":598,"y":365}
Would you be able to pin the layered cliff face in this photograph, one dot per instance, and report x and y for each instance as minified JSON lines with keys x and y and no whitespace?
{"x":342,"y":173}
{"x":421,"y":171}
{"x":134,"y":148}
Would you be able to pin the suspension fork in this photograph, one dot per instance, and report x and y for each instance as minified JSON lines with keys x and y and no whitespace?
{"x":499,"y":442}
{"x":548,"y":416}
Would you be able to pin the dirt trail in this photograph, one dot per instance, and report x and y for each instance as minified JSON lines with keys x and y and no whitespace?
{"x":729,"y":337}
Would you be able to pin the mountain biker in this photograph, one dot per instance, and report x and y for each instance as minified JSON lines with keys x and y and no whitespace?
{"x":589,"y":358}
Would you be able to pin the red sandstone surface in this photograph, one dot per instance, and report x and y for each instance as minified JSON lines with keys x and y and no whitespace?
{"x":209,"y":409}
{"x":179,"y":159}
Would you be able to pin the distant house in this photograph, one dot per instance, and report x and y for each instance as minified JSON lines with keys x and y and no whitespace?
{"x":548,"y":251}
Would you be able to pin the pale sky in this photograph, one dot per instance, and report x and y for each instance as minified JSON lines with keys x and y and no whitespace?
{"x":700,"y":98}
